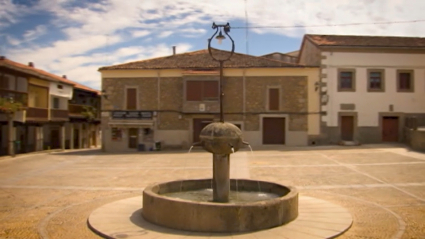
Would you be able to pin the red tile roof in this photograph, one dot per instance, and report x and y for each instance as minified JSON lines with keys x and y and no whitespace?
{"x":366,"y":41}
{"x":42,"y":74}
{"x":201,"y":60}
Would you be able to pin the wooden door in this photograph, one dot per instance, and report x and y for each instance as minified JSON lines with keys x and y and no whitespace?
{"x":390,"y":129}
{"x":133,"y":138}
{"x":273,"y":130}
{"x":347,"y":128}
{"x":198,"y":125}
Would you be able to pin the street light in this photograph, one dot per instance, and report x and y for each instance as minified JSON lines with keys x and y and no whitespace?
{"x":220,"y":37}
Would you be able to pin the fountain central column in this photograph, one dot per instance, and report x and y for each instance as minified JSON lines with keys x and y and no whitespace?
{"x":221,"y":177}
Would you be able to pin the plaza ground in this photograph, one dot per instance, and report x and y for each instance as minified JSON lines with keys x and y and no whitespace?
{"x":51,"y":195}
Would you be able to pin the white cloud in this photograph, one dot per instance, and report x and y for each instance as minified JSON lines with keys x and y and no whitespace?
{"x":140,"y":33}
{"x":165,"y":34}
{"x":113,"y":22}
{"x":35,"y":33}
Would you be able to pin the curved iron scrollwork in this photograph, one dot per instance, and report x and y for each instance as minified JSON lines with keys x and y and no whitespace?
{"x":226,"y":29}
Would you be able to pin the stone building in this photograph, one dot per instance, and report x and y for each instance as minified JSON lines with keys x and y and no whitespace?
{"x":369,"y":85}
{"x":50,"y":108}
{"x":170,"y":99}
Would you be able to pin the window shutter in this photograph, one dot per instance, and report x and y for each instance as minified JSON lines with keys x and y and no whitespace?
{"x":273,"y":99}
{"x":210,"y":90}
{"x":194,"y":90}
{"x":131,"y":98}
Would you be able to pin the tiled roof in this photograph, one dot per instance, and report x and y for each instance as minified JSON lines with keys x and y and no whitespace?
{"x":201,"y":60}
{"x":42,"y":74}
{"x":366,"y":41}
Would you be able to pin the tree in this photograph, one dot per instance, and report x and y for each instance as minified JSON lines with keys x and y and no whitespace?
{"x":89,"y":112}
{"x":9,"y":106}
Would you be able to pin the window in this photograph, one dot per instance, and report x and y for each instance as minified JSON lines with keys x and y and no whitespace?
{"x":376,"y":80}
{"x":22,"y":85}
{"x":116,"y":134}
{"x":60,"y":86}
{"x":202,"y":90}
{"x":56,"y":103}
{"x":405,"y":80}
{"x":346,"y":80}
{"x":273,"y":99}
{"x":9,"y":82}
{"x":131,"y":99}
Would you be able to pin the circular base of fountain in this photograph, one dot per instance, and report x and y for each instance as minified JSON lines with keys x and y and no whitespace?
{"x":262,"y":205}
{"x":316,"y":219}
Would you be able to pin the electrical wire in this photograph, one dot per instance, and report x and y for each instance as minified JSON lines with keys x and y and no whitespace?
{"x":332,"y":25}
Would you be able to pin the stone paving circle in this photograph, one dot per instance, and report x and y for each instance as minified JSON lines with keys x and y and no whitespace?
{"x":317,"y":219}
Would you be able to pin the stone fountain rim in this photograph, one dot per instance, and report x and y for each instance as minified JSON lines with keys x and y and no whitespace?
{"x":292,"y":192}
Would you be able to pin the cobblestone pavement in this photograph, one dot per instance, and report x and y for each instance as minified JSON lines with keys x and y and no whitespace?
{"x":52,"y":195}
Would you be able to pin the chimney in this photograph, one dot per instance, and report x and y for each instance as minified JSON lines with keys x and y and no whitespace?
{"x":174,"y":50}
{"x":64,"y":76}
{"x":31,"y":64}
{"x":2,"y":57}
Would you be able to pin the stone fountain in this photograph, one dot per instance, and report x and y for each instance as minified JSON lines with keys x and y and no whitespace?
{"x":219,"y":204}
{"x":267,"y":205}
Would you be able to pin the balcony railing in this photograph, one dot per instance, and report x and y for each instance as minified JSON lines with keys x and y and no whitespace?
{"x":77,"y":111}
{"x":37,"y":114}
{"x":59,"y":115}
{"x":15,"y":96}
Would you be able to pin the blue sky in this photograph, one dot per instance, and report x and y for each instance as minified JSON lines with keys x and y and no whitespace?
{"x":75,"y":38}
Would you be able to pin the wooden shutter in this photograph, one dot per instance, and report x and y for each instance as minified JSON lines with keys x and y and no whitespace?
{"x":194,"y":90}
{"x":131,"y":98}
{"x":210,"y":90}
{"x":273,"y":99}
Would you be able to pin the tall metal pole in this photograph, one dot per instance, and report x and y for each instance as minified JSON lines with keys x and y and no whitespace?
{"x":221,"y":92}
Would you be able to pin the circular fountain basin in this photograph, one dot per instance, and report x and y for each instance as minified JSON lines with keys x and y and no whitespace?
{"x":267,"y":205}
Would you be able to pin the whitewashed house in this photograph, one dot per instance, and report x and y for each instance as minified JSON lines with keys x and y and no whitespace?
{"x":368,"y":84}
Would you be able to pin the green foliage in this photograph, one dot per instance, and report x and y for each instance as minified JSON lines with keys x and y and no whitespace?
{"x":89,"y":112}
{"x":10,"y":107}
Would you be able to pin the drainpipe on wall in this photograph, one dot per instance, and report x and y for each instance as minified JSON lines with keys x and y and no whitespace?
{"x":158,"y":107}
{"x":244,"y":95}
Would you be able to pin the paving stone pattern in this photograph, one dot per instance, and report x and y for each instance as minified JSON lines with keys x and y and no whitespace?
{"x":52,"y":195}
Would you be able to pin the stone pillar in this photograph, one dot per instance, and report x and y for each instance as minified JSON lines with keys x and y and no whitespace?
{"x":86,"y":135}
{"x":221,"y":177}
{"x":62,"y":136}
{"x":11,"y":133}
{"x":71,"y":135}
{"x":98,"y":136}
{"x":80,"y":135}
{"x":38,"y":138}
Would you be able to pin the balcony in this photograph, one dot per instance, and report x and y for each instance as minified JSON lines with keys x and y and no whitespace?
{"x":37,"y":114}
{"x":16,"y":96}
{"x":78,"y":111}
{"x":59,"y":115}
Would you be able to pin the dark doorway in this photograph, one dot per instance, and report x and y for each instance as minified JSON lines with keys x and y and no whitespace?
{"x":76,"y":137}
{"x":55,"y":139}
{"x":347,"y":128}
{"x":390,"y":129}
{"x":198,"y":125}
{"x":273,"y":130}
{"x":133,"y":138}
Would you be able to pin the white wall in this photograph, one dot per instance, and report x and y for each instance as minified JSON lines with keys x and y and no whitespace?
{"x":63,"y":102}
{"x":368,"y":104}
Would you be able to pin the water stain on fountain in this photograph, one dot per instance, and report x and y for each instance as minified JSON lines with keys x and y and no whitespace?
{"x":233,"y":205}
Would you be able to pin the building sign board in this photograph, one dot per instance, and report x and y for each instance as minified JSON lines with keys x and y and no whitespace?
{"x":125,"y":114}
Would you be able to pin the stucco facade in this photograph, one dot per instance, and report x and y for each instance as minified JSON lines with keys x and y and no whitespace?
{"x":368,"y":109}
{"x":245,"y":104}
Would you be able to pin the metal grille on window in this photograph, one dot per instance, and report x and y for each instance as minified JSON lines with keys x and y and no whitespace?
{"x":375,"y":80}
{"x":346,"y":80}
{"x":404,"y":81}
